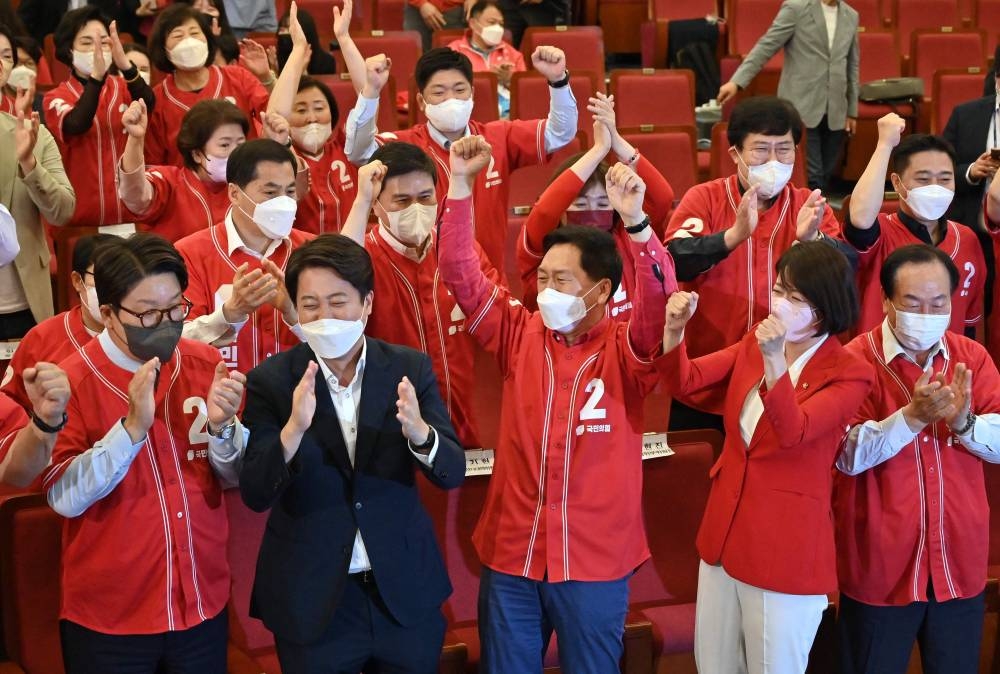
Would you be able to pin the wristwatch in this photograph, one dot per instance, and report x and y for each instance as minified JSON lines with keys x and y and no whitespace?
{"x":970,"y":422}
{"x":635,"y":229}
{"x":428,"y":443}
{"x":225,"y":432}
{"x":44,"y":427}
{"x":559,"y":84}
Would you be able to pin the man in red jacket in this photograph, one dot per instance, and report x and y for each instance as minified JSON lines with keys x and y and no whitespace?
{"x":562,"y":529}
{"x":414,"y":308}
{"x":910,"y":500}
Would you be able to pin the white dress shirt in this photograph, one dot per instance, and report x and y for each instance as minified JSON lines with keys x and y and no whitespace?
{"x":830,"y":15}
{"x":360,"y":131}
{"x":347,"y":403}
{"x":9,"y":246}
{"x":753,"y":406}
{"x":874,"y":442}
{"x":96,"y":472}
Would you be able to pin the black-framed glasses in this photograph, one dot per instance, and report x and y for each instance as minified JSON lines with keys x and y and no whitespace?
{"x":153,"y":317}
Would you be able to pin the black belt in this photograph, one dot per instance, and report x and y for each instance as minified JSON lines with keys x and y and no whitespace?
{"x":363,"y":577}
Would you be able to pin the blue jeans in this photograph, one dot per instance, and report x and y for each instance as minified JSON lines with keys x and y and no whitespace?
{"x":517,"y":616}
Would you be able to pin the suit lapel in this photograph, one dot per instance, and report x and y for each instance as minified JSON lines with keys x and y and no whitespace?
{"x":325,"y":428}
{"x":820,"y":19}
{"x":378,"y":394}
{"x":816,"y":373}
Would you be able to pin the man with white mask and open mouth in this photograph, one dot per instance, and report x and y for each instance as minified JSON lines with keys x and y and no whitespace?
{"x":415,"y":309}
{"x":923,"y":175}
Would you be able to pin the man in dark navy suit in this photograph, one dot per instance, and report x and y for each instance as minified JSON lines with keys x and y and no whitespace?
{"x":349,"y":576}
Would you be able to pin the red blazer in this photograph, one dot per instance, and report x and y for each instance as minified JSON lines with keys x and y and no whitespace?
{"x":769,"y":519}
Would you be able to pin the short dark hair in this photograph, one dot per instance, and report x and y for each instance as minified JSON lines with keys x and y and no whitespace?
{"x":201,"y":121}
{"x":916,"y":143}
{"x":28,"y":44}
{"x":823,"y":275}
{"x":481,"y":6}
{"x":599,"y":256}
{"x":598,"y":177}
{"x":917,"y":253}
{"x":438,"y":59}
{"x":227,"y":45}
{"x":306,"y":82}
{"x":175,"y":15}
{"x":71,"y":24}
{"x":346,"y":258}
{"x":137,"y":47}
{"x":241,"y":169}
{"x":85,"y":250}
{"x":402,"y":158}
{"x":766,"y":115}
{"x":123,"y":263}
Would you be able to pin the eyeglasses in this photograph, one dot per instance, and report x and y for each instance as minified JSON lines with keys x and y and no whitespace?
{"x":153,"y":317}
{"x":761,"y":153}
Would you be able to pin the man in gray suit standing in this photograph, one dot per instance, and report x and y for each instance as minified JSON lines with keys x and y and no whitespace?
{"x":819,"y":77}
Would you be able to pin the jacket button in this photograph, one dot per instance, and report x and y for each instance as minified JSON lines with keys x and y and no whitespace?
{"x":357,"y":506}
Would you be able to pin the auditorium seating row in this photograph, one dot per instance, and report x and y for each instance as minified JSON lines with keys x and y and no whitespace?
{"x":659,"y":633}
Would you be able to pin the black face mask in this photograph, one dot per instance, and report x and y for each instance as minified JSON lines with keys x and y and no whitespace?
{"x":159,"y":342}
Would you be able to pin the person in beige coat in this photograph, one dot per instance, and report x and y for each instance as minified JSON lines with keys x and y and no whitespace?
{"x":33,"y":185}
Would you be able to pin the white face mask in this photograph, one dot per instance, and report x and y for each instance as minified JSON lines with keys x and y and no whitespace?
{"x":6,"y":66}
{"x":919,"y":332}
{"x":797,"y":319}
{"x":275,"y":217}
{"x":561,"y":311}
{"x":189,"y":54}
{"x":91,"y":305}
{"x":215,"y":167}
{"x":770,"y":177}
{"x":83,"y":61}
{"x":929,"y":202}
{"x":413,"y":224}
{"x":449,"y":116}
{"x":331,"y":337}
{"x":21,"y":77}
{"x":492,"y":34}
{"x":312,"y":137}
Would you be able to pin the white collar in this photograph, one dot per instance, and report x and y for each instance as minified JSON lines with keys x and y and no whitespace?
{"x":332,"y":381}
{"x":399,"y":247}
{"x":234,"y":241}
{"x":440,"y":138}
{"x":795,"y":369}
{"x":117,"y":357}
{"x":891,"y":348}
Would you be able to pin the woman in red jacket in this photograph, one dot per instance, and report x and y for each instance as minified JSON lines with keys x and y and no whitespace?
{"x":766,"y":540}
{"x":577,"y":196}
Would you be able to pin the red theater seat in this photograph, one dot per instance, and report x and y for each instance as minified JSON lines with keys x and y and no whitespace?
{"x":654,"y":33}
{"x":987,"y":16}
{"x":30,"y":552}
{"x":951,"y":88}
{"x":653,"y":97}
{"x":584,"y":46}
{"x":663,"y":590}
{"x":529,"y":97}
{"x":672,"y":150}
{"x":748,"y":21}
{"x":933,"y":50}
{"x":911,"y":15}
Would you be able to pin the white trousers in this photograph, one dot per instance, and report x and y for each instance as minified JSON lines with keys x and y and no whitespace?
{"x":742,"y":629}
